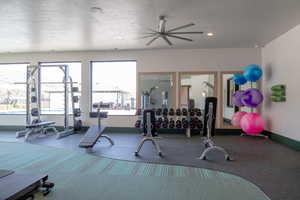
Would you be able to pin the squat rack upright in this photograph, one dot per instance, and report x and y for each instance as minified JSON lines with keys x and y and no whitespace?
{"x":33,"y":103}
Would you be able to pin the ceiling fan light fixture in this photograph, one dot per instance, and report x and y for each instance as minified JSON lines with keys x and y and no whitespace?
{"x":165,"y":33}
{"x":210,"y":34}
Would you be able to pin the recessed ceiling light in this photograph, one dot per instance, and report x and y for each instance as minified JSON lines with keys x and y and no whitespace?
{"x":95,"y":9}
{"x":210,"y":34}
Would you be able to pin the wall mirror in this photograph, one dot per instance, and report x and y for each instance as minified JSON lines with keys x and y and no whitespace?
{"x":194,"y":87}
{"x":228,"y":88}
{"x":157,"y":90}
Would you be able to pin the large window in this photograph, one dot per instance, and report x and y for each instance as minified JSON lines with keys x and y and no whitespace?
{"x":13,"y":88}
{"x":52,"y":87}
{"x":114,"y":86}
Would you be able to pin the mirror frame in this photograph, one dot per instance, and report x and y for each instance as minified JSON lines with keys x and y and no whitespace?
{"x":173,"y":75}
{"x":222,"y":125}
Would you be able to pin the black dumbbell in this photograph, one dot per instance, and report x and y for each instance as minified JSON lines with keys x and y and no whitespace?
{"x":171,"y":123}
{"x":35,"y":121}
{"x":158,"y":111}
{"x":192,"y":112}
{"x":184,"y":111}
{"x":165,"y":124}
{"x":171,"y":112}
{"x":185,"y":123}
{"x":193,"y":124}
{"x":160,"y":120}
{"x":138,"y":124}
{"x":35,"y":112}
{"x":33,"y":99}
{"x":166,"y":119}
{"x":195,"y":119}
{"x":165,"y":112}
{"x":192,"y":119}
{"x":178,"y":123}
{"x":198,"y":112}
{"x":77,"y":112}
{"x":178,"y":112}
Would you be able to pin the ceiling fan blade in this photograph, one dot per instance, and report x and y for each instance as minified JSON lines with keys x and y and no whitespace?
{"x":197,"y":32}
{"x":167,"y":40}
{"x":149,"y":33}
{"x":181,"y":38}
{"x":150,"y":42}
{"x":162,"y":24}
{"x":147,"y":36}
{"x":181,"y":27}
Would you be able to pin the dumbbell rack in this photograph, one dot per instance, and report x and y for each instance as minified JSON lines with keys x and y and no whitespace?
{"x":175,"y":117}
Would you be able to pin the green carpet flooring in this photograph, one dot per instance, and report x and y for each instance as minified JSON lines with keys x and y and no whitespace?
{"x":86,"y":177}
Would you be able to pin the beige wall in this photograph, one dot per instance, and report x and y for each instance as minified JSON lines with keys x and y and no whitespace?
{"x":174,"y":60}
{"x":281,"y":63}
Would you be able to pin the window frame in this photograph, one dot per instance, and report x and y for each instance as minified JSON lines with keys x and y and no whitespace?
{"x":91,"y":83}
{"x":16,"y":63}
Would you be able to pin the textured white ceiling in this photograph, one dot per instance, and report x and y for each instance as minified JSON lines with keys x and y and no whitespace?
{"x":44,"y":25}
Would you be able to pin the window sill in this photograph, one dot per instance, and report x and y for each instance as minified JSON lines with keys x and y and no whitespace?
{"x":12,"y":114}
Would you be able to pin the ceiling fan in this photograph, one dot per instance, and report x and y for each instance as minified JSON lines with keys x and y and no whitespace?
{"x":165,"y":34}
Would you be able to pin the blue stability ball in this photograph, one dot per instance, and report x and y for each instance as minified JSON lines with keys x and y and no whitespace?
{"x":239,"y":79}
{"x":252,"y":73}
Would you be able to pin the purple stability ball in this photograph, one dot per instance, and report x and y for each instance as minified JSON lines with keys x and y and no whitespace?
{"x":237,"y":98}
{"x":252,"y":98}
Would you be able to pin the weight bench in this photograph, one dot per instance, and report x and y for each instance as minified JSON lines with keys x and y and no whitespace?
{"x":91,"y":137}
{"x":16,"y":186}
{"x":40,"y":127}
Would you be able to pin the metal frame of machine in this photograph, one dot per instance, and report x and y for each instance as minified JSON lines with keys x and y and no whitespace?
{"x":33,"y":104}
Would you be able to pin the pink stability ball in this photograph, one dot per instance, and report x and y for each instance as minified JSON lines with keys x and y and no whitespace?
{"x":252,"y":123}
{"x":236,"y":118}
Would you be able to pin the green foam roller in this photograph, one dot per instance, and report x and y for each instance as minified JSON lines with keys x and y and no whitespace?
{"x":278,"y":88}
{"x":278,"y":99}
{"x":278,"y":93}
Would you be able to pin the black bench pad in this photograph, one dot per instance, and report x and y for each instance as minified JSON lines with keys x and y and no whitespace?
{"x":17,"y":185}
{"x":4,"y":173}
{"x":91,"y":137}
{"x":41,"y":124}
